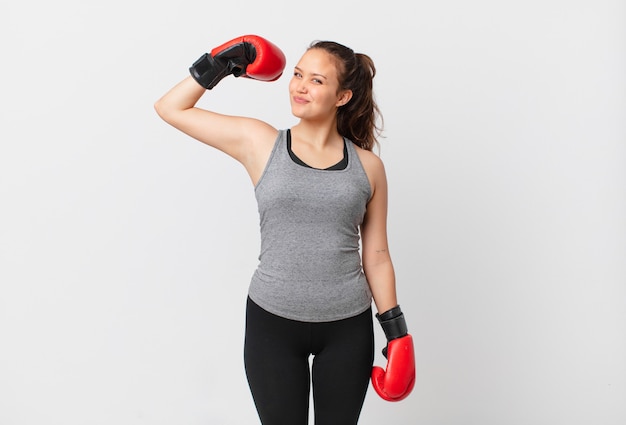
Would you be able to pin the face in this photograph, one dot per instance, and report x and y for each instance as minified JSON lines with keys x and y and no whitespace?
{"x":314,"y":87}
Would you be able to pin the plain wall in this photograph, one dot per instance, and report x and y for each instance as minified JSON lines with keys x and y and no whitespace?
{"x":126,"y":247}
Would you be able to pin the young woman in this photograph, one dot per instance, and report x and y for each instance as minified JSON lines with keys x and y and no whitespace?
{"x":322,"y":198}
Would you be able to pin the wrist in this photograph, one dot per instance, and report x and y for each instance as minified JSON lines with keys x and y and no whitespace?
{"x":207,"y":71}
{"x":393,"y":323}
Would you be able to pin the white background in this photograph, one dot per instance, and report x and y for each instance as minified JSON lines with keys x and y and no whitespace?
{"x":126,"y":247}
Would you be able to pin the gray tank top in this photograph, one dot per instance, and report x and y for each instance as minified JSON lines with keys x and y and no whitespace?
{"x":310,"y":265}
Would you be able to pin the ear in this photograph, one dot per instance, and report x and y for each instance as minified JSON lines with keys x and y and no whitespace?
{"x":344,"y":97}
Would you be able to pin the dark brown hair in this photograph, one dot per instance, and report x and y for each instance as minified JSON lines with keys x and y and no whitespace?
{"x":357,"y":120}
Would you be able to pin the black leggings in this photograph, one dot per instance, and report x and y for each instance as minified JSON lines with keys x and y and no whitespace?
{"x":276,"y":356}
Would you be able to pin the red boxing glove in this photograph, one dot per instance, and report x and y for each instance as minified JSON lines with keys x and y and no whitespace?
{"x":247,"y":56}
{"x":397,"y":382}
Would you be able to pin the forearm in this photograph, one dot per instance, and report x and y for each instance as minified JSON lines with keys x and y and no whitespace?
{"x":382,"y":283}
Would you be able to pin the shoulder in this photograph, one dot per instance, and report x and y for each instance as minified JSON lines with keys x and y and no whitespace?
{"x":373,"y":166}
{"x":256,"y":131}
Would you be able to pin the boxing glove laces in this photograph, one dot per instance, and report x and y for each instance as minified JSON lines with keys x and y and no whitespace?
{"x":247,"y":56}
{"x":395,"y":382}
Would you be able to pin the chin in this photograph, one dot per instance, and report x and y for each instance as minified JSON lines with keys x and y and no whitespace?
{"x":296,"y":112}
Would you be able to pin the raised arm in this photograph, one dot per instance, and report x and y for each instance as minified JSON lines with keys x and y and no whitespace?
{"x":245,"y":139}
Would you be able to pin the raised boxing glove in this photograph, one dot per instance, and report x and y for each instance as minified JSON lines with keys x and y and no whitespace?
{"x":247,"y":56}
{"x":397,"y":381}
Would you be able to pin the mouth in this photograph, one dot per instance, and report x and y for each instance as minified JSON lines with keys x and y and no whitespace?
{"x":299,"y":100}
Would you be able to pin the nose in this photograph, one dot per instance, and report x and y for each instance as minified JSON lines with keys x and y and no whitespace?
{"x":301,"y":87}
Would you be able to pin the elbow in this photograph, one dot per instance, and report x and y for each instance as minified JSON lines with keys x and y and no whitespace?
{"x":166,"y":111}
{"x":161,"y":109}
{"x":376,"y":263}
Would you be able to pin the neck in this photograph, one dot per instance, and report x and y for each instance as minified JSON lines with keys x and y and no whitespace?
{"x":317,"y":135}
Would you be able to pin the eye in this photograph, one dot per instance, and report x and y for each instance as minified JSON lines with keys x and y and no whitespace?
{"x":297,"y":74}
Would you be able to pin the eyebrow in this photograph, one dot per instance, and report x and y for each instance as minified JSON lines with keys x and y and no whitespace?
{"x":316,"y":74}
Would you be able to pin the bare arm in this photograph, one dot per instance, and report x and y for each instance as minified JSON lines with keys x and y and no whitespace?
{"x":377,"y":263}
{"x":247,"y":140}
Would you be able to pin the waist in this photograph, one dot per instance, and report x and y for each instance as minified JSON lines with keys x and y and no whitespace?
{"x":310,"y":265}
{"x":308,"y":300}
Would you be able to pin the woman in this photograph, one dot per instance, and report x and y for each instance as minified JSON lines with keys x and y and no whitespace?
{"x":322,"y":194}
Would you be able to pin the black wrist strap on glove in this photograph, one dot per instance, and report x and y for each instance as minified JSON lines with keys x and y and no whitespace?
{"x":209,"y":70}
{"x":393,"y":323}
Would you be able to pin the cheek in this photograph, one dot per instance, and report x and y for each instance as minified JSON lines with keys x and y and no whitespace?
{"x":293,"y":85}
